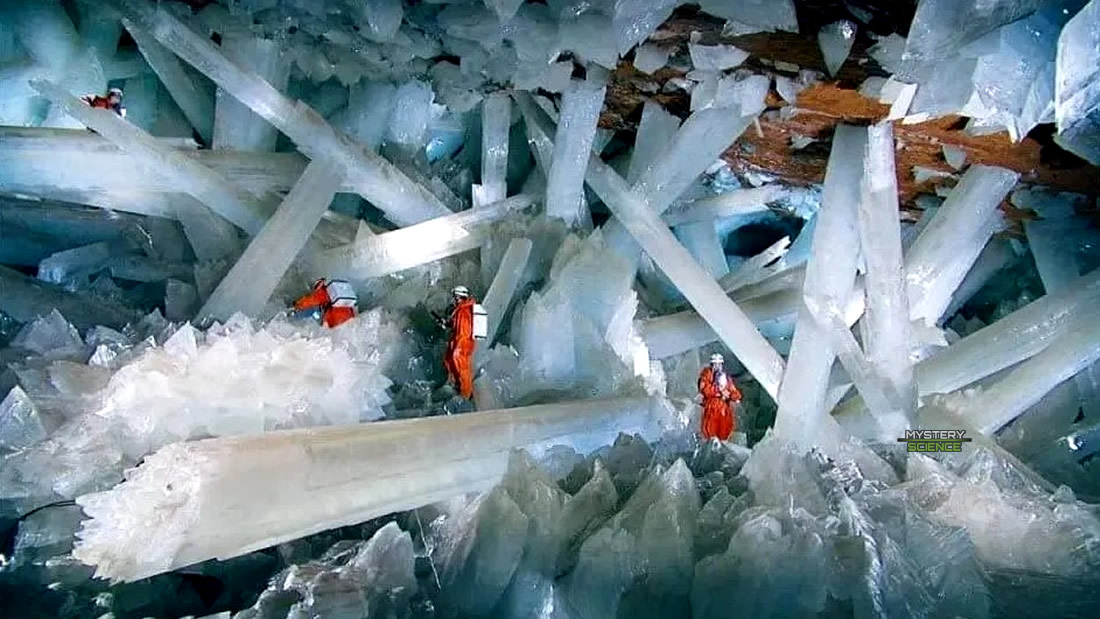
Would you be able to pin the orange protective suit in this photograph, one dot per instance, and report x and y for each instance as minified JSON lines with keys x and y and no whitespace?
{"x":459,"y":357}
{"x":719,"y":420}
{"x":103,"y":103}
{"x":318,"y":299}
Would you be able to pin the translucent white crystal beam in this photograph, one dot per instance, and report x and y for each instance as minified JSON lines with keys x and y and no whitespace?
{"x":403,"y":201}
{"x":887,"y":318}
{"x":735,"y":202}
{"x":940,"y":257}
{"x":1058,"y":267}
{"x":877,"y":390}
{"x":25,"y":298}
{"x":193,"y":94}
{"x":733,"y":327}
{"x":1024,"y":386}
{"x":997,"y":255}
{"x":830,"y":278}
{"x":1077,"y":100}
{"x":1012,"y":339}
{"x":496,"y":119}
{"x":752,"y":269}
{"x":580,"y":111}
{"x":235,"y":126}
{"x":249,"y":284}
{"x":505,"y":283}
{"x":197,"y":500}
{"x":703,"y":137}
{"x":202,"y":183}
{"x":655,"y":131}
{"x":700,"y":238}
{"x":422,"y":243}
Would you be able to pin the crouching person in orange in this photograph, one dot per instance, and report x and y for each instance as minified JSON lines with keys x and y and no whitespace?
{"x":459,"y":356}
{"x":719,"y":397}
{"x":333,"y":302}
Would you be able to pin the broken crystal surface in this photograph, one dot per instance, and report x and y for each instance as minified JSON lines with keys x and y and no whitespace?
{"x":716,"y":57}
{"x":765,"y":15}
{"x":649,"y":57}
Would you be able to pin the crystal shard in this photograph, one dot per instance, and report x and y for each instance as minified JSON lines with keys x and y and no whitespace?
{"x":836,"y":41}
{"x":21,"y":424}
{"x":328,"y":462}
{"x":716,"y":57}
{"x":255,"y":275}
{"x":580,"y":111}
{"x":648,"y":58}
{"x":25,"y":298}
{"x":1077,"y":100}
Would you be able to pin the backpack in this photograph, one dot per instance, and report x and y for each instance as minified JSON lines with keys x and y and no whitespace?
{"x":341,"y":294}
{"x":481,"y":322}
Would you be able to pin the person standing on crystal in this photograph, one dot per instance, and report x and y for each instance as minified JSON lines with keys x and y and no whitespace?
{"x":466,"y":324}
{"x":113,"y":101}
{"x":331,"y":301}
{"x":719,"y":397}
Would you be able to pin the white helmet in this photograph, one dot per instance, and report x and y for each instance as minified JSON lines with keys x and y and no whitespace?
{"x":114,"y":91}
{"x":461,"y":292}
{"x":716,"y":359}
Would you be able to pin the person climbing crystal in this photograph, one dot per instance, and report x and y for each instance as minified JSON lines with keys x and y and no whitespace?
{"x":330,"y":301}
{"x":719,"y":397}
{"x":113,"y":101}
{"x":466,"y":324}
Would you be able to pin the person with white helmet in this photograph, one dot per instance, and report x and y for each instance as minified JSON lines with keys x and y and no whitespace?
{"x":719,"y":397}
{"x":458,"y":359}
{"x":113,"y":101}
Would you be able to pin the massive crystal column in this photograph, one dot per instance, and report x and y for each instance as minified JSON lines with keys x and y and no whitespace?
{"x":198,"y":500}
{"x":1025,"y":385}
{"x":25,"y":298}
{"x":830,"y":278}
{"x":496,"y":119}
{"x":205,"y":185}
{"x":887,"y":316}
{"x":773,"y":314}
{"x":736,"y":202}
{"x":422,"y":243}
{"x":192,"y":93}
{"x":1012,"y":339}
{"x":580,"y":110}
{"x":235,"y":126}
{"x":403,"y":201}
{"x":655,"y":131}
{"x":733,"y":327}
{"x":939,"y":259}
{"x":1056,"y":262}
{"x":252,"y":279}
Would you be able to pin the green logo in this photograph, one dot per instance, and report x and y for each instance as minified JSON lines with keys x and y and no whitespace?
{"x":926,"y":441}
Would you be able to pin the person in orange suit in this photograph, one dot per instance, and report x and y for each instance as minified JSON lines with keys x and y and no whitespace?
{"x":459,"y":357}
{"x":719,"y":396}
{"x":113,"y":101}
{"x":317,"y":300}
